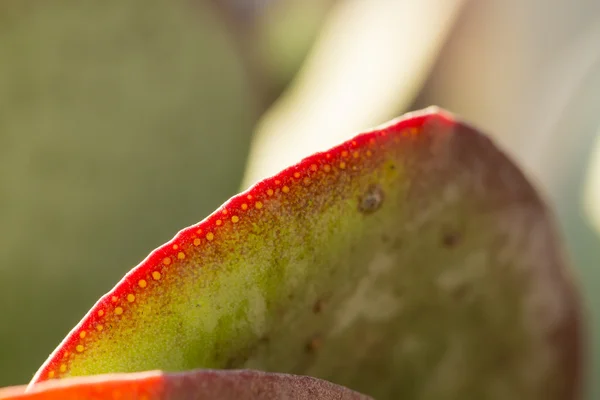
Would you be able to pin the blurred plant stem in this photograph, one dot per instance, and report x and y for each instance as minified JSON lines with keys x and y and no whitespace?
{"x":273,"y":38}
{"x":366,"y":67}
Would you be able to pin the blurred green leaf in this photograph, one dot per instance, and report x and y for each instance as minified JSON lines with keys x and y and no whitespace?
{"x":119,"y":123}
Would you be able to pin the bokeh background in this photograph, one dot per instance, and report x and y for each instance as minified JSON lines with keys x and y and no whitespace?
{"x":122,"y":122}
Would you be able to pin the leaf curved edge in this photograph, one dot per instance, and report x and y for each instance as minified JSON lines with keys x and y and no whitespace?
{"x":199,"y":384}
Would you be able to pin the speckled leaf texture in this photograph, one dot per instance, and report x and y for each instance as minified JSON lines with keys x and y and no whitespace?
{"x":192,"y":385}
{"x":414,"y":261}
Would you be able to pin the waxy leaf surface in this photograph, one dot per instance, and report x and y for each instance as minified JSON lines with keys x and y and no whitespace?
{"x":193,"y":385}
{"x":413,"y":261}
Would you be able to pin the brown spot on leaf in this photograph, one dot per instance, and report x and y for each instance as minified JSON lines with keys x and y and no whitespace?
{"x":371,"y":201}
{"x":264,"y":340}
{"x":314,"y":344}
{"x":450,"y":239}
{"x":318,"y":306}
{"x":460,"y":292}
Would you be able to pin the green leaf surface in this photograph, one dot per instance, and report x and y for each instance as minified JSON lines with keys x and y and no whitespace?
{"x":412,"y":261}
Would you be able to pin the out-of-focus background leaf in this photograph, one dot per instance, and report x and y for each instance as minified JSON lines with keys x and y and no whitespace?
{"x":121,"y":122}
{"x":357,"y":75}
